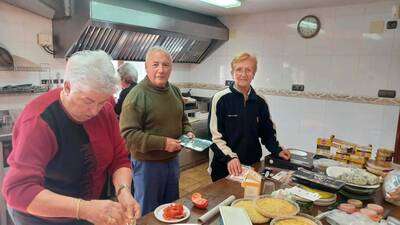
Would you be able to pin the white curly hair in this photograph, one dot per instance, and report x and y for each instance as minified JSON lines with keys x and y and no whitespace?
{"x":128,"y":73}
{"x":91,"y":70}
{"x":157,"y":48}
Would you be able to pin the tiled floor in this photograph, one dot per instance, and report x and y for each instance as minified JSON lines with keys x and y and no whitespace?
{"x":194,"y":178}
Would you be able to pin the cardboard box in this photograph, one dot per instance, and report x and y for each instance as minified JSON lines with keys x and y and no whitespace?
{"x":365,"y":151}
{"x":324,"y":147}
{"x":252,"y":184}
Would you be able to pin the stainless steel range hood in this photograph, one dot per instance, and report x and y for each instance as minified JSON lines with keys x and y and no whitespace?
{"x":126,"y":29}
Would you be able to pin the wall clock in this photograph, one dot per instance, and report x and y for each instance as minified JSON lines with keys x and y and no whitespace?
{"x":308,"y":26}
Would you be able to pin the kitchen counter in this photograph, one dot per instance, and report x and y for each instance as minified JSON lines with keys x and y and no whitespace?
{"x":222,"y":189}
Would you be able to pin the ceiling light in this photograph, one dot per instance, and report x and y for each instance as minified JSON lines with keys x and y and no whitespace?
{"x":224,"y":3}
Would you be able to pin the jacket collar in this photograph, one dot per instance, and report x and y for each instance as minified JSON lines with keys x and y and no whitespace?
{"x":252,"y":94}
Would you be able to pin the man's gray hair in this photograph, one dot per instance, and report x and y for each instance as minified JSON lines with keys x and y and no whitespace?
{"x":157,"y":48}
{"x":128,"y":73}
{"x":91,"y":70}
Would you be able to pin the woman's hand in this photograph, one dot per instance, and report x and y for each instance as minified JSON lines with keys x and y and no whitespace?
{"x":129,"y":204}
{"x":102,"y":212}
{"x":284,"y":154}
{"x":234,"y":167}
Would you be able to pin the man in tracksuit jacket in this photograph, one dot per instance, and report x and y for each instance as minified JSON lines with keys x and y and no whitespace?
{"x":238,"y":118}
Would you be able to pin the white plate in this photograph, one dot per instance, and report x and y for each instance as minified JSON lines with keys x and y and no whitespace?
{"x":298,"y":152}
{"x":158,"y":213}
{"x":336,"y":171}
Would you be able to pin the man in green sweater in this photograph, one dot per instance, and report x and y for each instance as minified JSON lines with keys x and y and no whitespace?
{"x":151,"y":121}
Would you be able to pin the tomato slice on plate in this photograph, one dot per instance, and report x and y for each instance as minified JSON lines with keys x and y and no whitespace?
{"x":174,"y":211}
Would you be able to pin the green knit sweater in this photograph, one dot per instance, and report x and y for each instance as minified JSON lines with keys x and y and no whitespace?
{"x":149,"y":115}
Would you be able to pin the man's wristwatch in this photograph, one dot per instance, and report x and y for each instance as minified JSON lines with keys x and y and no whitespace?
{"x":121,"y":187}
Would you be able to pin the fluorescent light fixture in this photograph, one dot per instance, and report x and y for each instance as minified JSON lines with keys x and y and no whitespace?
{"x":224,"y":3}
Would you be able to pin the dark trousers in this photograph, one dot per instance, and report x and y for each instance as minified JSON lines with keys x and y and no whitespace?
{"x":156,"y":183}
{"x":20,"y":218}
{"x":219,"y":170}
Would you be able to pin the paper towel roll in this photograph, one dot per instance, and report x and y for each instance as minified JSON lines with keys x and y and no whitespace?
{"x":214,"y":211}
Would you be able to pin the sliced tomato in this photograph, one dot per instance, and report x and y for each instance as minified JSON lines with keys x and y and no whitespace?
{"x":198,"y":201}
{"x":195,"y":196}
{"x":174,"y":211}
{"x":201,"y":203}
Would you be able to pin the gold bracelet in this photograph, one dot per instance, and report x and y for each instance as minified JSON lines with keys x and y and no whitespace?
{"x":122,"y":186}
{"x":78,"y":201}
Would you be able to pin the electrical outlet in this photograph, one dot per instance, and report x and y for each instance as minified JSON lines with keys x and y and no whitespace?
{"x":298,"y":87}
{"x":44,"y":39}
{"x":387,"y":93}
{"x":229,"y":82}
{"x":391,"y":24}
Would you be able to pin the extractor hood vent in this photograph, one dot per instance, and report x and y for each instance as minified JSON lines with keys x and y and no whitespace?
{"x":126,"y":29}
{"x":131,"y":45}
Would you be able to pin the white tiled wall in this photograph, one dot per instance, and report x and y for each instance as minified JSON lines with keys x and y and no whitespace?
{"x":344,"y":58}
{"x":18,"y":34}
{"x":301,"y":121}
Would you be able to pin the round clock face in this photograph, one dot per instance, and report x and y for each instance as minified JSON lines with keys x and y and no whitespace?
{"x":308,"y":26}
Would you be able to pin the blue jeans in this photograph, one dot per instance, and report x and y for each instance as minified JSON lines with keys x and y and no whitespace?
{"x":156,"y":183}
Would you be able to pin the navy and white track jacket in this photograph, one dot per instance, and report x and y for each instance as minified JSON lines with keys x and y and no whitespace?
{"x":236,"y":126}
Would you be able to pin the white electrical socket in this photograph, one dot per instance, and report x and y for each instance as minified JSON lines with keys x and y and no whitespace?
{"x":44,"y":39}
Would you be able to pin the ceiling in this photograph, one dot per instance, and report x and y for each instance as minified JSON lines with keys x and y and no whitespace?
{"x":254,"y":6}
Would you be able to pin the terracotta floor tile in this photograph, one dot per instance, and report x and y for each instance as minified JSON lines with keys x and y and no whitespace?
{"x":184,"y":183}
{"x":193,"y":179}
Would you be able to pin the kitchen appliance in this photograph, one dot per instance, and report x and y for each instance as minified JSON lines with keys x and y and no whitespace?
{"x":22,"y":88}
{"x":299,"y":159}
{"x":317,"y":180}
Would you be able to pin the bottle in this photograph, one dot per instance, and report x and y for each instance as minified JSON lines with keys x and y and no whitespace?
{"x":268,"y":186}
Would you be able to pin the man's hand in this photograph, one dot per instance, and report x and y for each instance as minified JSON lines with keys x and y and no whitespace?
{"x":234,"y":167}
{"x":190,"y":135}
{"x":172,"y":145}
{"x":130,"y":206}
{"x":284,"y":154}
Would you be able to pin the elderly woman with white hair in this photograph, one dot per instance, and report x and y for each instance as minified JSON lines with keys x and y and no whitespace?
{"x":64,"y":143}
{"x":129,"y":76}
